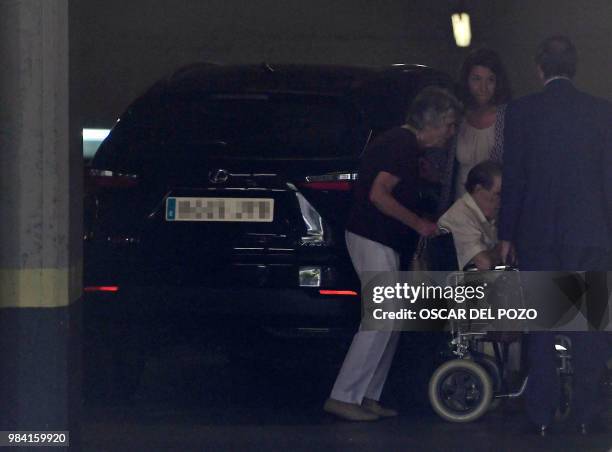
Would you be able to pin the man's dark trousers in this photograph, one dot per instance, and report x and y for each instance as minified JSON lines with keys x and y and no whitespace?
{"x":589,"y":350}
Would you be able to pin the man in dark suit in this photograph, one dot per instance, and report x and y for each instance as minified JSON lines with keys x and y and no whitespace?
{"x":556,"y":212}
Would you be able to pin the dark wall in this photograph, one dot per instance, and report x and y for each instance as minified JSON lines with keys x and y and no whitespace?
{"x":121,"y":47}
{"x":519,"y":25}
{"x":118,"y":48}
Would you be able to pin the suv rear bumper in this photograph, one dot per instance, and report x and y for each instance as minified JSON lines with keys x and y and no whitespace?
{"x":175,"y":309}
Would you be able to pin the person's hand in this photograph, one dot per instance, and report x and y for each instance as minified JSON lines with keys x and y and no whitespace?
{"x":427,"y":228}
{"x":507,"y":252}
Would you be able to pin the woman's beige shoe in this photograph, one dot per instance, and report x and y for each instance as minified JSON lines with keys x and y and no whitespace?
{"x":374,"y":407}
{"x":349,"y":411}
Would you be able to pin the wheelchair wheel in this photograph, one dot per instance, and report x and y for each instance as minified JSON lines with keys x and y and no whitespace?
{"x":492,"y":369}
{"x":460,"y":391}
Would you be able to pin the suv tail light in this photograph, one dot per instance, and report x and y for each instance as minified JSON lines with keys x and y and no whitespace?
{"x":350,"y":293}
{"x":315,"y":226}
{"x":101,"y":289}
{"x":332,"y":182}
{"x":109,"y":179}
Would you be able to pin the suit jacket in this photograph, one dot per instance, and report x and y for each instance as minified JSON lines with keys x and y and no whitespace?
{"x":557,"y":176}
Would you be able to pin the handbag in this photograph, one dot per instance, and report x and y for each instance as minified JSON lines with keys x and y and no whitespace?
{"x":418,"y":263}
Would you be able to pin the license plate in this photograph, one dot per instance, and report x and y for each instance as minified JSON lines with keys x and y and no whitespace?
{"x":220,"y":209}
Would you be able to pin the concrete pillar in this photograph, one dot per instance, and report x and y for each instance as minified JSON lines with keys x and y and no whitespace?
{"x":40,"y":222}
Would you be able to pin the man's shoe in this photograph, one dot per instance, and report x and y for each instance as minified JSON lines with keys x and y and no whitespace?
{"x":376,"y":408}
{"x":531,"y":429}
{"x":349,"y":411}
{"x":597,"y":427}
{"x":542,"y":430}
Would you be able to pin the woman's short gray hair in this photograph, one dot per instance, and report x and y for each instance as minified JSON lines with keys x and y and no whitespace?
{"x":431,"y":106}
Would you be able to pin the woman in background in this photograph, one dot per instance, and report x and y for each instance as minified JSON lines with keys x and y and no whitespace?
{"x":484,"y":90}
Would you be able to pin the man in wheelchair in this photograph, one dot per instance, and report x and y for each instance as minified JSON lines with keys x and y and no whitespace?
{"x":471,"y":219}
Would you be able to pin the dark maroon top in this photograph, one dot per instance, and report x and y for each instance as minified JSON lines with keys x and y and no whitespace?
{"x":395,"y":152}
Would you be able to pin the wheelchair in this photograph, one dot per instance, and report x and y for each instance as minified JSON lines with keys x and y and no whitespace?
{"x":469,"y":383}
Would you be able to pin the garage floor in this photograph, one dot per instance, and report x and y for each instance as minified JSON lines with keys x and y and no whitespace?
{"x":268,"y":397}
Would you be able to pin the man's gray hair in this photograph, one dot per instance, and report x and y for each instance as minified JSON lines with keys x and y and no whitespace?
{"x":431,"y":106}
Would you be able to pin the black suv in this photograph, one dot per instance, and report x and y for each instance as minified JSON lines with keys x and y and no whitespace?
{"x":220,"y":197}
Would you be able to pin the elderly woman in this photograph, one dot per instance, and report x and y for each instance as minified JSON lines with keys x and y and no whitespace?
{"x":484,"y":90}
{"x":383,"y":218}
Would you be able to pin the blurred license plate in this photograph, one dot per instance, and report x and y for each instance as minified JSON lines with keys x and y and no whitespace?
{"x":220,"y":209}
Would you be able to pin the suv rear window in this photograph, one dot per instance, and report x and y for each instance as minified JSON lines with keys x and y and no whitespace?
{"x":228,"y":125}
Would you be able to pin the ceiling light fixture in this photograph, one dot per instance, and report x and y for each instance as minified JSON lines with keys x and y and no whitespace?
{"x":462,"y":29}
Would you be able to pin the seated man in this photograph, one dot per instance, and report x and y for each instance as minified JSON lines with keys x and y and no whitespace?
{"x":471,"y":219}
